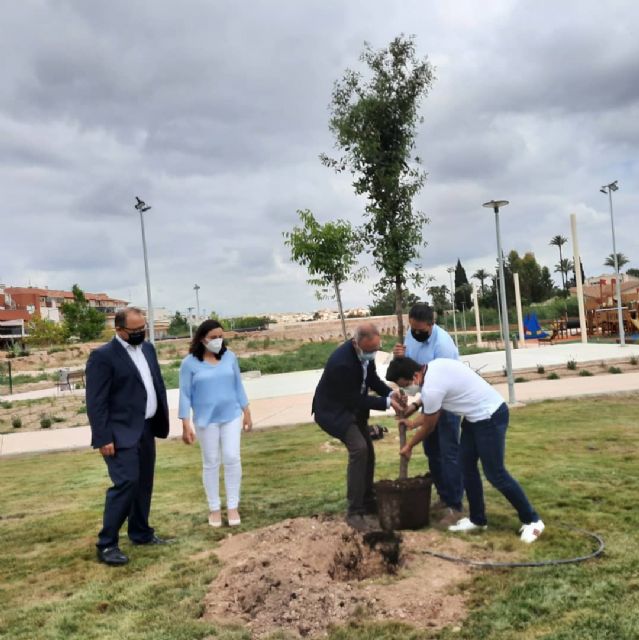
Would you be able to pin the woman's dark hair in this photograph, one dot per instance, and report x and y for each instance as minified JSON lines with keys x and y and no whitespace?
{"x":404,"y":368}
{"x":197,"y":348}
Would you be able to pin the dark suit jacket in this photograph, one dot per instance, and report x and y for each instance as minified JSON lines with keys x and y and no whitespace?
{"x":116,"y":396}
{"x":339,"y":399}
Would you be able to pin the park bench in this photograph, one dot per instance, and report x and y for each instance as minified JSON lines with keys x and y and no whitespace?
{"x":68,"y":380}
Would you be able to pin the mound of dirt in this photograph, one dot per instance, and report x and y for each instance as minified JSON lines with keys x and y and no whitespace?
{"x":305,"y":574}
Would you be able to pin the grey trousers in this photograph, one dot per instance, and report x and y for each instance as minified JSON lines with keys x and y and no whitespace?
{"x":360,"y":493}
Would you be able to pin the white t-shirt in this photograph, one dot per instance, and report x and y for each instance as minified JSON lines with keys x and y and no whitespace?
{"x":455,"y":387}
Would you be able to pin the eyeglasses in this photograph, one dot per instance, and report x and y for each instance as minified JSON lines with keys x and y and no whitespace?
{"x":135,"y":329}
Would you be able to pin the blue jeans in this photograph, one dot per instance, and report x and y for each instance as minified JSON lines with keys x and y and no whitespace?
{"x":442,"y":450}
{"x":486,"y":441}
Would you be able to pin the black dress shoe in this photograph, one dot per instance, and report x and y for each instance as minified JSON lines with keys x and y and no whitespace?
{"x":154,"y":540}
{"x":358,"y":522}
{"x":112,"y":556}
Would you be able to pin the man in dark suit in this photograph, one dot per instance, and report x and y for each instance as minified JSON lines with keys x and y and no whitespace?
{"x":127,"y":409}
{"x":341,"y":407}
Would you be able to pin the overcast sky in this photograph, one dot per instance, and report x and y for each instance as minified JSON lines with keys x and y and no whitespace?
{"x":215,"y":114}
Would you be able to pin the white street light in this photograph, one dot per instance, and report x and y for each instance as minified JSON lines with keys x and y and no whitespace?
{"x":189,"y":314}
{"x":608,"y":189}
{"x":141,"y":206}
{"x":495,"y":205}
{"x":451,"y":270}
{"x":197,"y":301}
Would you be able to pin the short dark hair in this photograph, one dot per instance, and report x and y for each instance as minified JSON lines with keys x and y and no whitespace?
{"x":422,"y":313}
{"x":402,"y":368}
{"x":197,"y":348}
{"x":121,"y":315}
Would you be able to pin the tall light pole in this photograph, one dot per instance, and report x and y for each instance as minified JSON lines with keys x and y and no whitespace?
{"x":197,"y":301}
{"x":451,"y":270}
{"x":495,"y":205}
{"x":609,"y":188}
{"x":142,"y":207}
{"x":189,"y":313}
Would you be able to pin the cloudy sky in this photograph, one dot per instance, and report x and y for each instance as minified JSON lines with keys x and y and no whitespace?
{"x":215,"y":113}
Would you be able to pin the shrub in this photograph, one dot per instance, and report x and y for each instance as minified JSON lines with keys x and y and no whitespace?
{"x":572,"y":365}
{"x":614,"y":370}
{"x":585,"y":373}
{"x":540,"y":368}
{"x":634,"y":360}
{"x":6,"y":404}
{"x":521,"y":379}
{"x":82,"y":408}
{"x":552,"y":376}
{"x":57,"y":419}
{"x":45,"y":421}
{"x":16,"y":422}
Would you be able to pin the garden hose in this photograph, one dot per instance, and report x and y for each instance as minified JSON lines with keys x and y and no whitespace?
{"x":540,"y":563}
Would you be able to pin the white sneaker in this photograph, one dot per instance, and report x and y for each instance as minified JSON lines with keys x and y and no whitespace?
{"x":465,"y":525}
{"x":530,"y":532}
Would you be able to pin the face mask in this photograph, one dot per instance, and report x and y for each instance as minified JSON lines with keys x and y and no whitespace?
{"x":135,"y":338}
{"x":412,"y":389}
{"x":215,"y":345}
{"x":420,"y":336}
{"x":367,"y":356}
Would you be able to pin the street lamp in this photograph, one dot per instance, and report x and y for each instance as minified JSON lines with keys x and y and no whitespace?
{"x":451,"y":270}
{"x":608,"y":189}
{"x":141,"y":206}
{"x":189,"y":313}
{"x":495,"y":205}
{"x":197,"y":301}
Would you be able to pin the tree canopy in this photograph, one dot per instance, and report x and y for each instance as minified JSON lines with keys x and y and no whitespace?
{"x":82,"y":320}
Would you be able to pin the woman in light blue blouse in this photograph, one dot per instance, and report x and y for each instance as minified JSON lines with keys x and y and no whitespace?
{"x":211,"y":387}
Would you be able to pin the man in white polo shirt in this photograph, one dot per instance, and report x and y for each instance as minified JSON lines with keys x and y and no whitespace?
{"x":452,"y":386}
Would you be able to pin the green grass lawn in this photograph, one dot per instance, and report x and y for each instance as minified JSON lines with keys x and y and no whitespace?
{"x":576,"y":460}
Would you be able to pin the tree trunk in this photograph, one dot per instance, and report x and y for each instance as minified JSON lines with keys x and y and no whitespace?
{"x":398,"y":309}
{"x":338,"y":297}
{"x":561,"y":269}
{"x":403,"y":462}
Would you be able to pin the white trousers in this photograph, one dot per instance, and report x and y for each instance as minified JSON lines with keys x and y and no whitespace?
{"x":220,"y":442}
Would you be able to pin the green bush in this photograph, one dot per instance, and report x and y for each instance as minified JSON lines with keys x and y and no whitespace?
{"x":540,"y":368}
{"x":45,"y":421}
{"x":585,"y":373}
{"x":521,"y":379}
{"x":82,"y":408}
{"x":572,"y":365}
{"x":16,"y":422}
{"x":552,"y":376}
{"x":614,"y":370}
{"x":6,"y":404}
{"x":634,"y":360}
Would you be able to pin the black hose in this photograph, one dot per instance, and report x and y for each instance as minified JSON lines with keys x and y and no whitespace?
{"x":540,"y":563}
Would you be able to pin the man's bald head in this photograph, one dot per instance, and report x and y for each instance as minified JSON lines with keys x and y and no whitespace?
{"x":366,"y":337}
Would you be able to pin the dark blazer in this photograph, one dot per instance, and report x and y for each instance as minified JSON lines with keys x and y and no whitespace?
{"x":116,"y":396}
{"x":339,"y":399}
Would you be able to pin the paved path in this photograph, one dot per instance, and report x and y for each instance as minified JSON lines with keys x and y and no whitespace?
{"x":285,"y":399}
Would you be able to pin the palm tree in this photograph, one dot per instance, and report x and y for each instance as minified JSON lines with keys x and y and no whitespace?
{"x":622,"y":260}
{"x":564,"y":266}
{"x":560,"y":241}
{"x":481,"y":275}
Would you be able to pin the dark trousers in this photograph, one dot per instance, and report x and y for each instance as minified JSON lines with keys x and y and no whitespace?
{"x":442,"y":450}
{"x":486,"y":441}
{"x":360,"y":493}
{"x":131,"y":471}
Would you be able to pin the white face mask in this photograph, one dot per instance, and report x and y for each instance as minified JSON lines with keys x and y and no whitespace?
{"x":412,"y":389}
{"x":215,"y":345}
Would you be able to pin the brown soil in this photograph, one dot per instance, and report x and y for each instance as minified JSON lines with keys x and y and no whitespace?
{"x":304,"y":575}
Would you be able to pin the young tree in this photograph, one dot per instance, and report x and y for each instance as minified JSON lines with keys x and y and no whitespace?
{"x":179,"y":325}
{"x":462,"y":288}
{"x":43,"y":332}
{"x":374,"y":121}
{"x":329,"y":253}
{"x":440,"y":298}
{"x":482,"y":275}
{"x":622,"y":261}
{"x":559,"y":241}
{"x":82,"y":320}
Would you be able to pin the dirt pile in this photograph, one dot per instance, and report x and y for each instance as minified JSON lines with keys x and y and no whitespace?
{"x":306,"y":574}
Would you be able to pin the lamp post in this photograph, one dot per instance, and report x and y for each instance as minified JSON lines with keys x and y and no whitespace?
{"x":189,"y":313}
{"x":495,"y":205}
{"x":141,"y":206}
{"x":451,"y":270}
{"x":608,"y":189}
{"x":197,"y":301}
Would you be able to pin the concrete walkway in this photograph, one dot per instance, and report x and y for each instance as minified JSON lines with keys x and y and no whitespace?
{"x":285,"y":399}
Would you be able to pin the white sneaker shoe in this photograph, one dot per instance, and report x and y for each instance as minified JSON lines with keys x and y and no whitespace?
{"x":465,"y":525}
{"x":530,"y":532}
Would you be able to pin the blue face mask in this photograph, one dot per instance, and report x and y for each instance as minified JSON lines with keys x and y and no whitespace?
{"x":367,"y":356}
